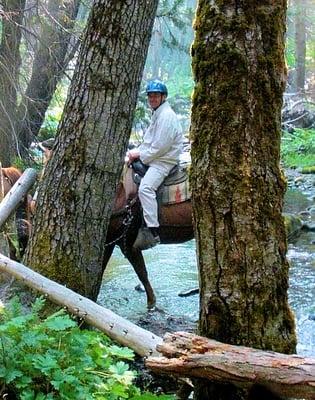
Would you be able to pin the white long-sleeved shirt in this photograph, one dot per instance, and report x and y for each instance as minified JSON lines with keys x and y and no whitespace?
{"x":163,"y":140}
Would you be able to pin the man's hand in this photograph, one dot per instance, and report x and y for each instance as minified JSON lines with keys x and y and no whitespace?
{"x":133,"y":155}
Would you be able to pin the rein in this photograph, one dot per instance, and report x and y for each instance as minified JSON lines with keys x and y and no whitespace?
{"x":126,"y":221}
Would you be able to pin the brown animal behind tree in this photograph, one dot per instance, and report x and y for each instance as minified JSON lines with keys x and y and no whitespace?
{"x":9,"y":176}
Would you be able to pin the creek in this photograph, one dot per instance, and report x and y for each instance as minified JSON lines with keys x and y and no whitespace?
{"x":172,"y":269}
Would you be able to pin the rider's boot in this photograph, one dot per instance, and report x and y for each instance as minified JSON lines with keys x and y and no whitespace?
{"x":147,"y":238}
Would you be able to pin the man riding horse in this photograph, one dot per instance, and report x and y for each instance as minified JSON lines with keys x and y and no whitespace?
{"x":160,"y":151}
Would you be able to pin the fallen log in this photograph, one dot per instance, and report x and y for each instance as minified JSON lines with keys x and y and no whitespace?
{"x":16,"y":194}
{"x":190,"y":292}
{"x":119,"y":329}
{"x":188,"y":355}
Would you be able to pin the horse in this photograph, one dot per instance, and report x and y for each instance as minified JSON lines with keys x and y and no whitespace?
{"x":176,"y":226}
{"x":8,"y":177}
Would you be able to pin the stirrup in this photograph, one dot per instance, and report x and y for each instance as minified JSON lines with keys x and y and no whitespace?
{"x":145,"y":239}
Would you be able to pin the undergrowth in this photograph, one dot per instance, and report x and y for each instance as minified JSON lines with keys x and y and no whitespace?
{"x":52,"y":358}
{"x":298,"y":148}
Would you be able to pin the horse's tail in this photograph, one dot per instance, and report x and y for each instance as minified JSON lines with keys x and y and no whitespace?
{"x":23,"y":224}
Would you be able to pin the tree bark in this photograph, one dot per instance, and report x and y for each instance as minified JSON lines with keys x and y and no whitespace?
{"x":237,"y":186}
{"x":75,"y":200}
{"x":188,"y":355}
{"x":300,"y":45}
{"x":10,"y":62}
{"x":49,"y":64}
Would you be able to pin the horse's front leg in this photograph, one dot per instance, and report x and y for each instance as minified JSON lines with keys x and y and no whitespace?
{"x":135,"y":257}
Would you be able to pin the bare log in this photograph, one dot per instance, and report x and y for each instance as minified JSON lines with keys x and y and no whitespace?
{"x":123,"y":331}
{"x":190,"y":292}
{"x":189,"y":355}
{"x":16,"y":194}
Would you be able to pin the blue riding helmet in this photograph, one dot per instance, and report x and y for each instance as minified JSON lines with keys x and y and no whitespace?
{"x":156,"y":86}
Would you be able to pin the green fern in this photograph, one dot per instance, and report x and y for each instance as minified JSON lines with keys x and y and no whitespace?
{"x":53,"y":358}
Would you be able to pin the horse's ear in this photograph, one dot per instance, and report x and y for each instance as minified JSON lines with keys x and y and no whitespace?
{"x":47,"y":155}
{"x":31,"y":203}
{"x":128,"y":182}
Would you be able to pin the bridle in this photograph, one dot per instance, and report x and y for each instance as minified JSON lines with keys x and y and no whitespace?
{"x":127,"y":210}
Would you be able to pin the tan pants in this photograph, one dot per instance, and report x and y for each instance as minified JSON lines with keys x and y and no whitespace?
{"x":150,"y":183}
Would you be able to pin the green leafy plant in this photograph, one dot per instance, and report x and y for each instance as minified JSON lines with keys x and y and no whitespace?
{"x":54,"y":111}
{"x":53,"y":358}
{"x":298,"y":148}
{"x":35,"y":161}
{"x":49,"y":127}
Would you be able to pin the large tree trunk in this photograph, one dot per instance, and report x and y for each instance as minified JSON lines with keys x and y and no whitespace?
{"x":48,"y":66}
{"x":156,"y":44}
{"x":237,"y":186}
{"x":10,"y":62}
{"x":75,"y":200}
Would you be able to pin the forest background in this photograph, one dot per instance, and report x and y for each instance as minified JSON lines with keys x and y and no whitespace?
{"x":37,"y":63}
{"x":27,"y":92}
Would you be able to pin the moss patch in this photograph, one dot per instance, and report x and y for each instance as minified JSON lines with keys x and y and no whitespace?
{"x":308,"y":170}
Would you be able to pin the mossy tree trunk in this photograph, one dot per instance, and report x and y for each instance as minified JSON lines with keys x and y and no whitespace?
{"x":300,"y":45}
{"x":75,"y":200}
{"x":10,"y":61}
{"x":237,"y":186}
{"x":50,"y":62}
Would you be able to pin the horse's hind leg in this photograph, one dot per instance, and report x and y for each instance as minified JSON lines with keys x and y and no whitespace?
{"x":107,"y":254}
{"x":136,"y":259}
{"x":23,"y":225}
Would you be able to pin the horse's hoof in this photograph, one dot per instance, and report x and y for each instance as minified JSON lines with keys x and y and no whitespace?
{"x":151,"y":306}
{"x":156,"y":309}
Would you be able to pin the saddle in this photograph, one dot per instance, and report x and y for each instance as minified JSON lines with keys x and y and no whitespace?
{"x":174,"y":189}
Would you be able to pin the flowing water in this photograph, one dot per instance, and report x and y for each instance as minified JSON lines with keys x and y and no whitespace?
{"x":172,"y":269}
{"x":301,"y":254}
